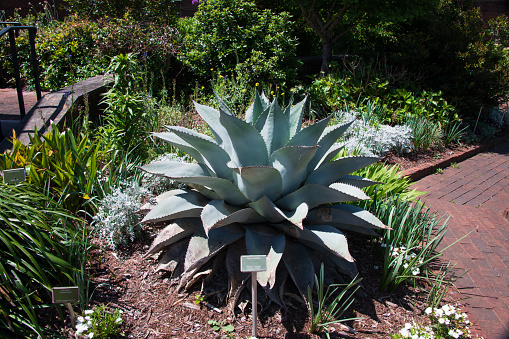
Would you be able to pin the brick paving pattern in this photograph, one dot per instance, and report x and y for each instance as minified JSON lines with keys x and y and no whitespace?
{"x":476,"y":197}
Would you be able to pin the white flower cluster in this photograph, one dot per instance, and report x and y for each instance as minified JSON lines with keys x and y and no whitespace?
{"x":117,"y":219}
{"x":408,"y":258}
{"x":84,"y":324}
{"x":416,"y":331}
{"x":371,"y":138}
{"x":450,"y":320}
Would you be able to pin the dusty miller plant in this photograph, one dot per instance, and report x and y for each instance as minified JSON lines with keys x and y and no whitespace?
{"x":117,"y":219}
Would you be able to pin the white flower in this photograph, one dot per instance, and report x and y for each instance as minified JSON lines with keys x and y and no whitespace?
{"x":439,"y":312}
{"x":416,"y":271}
{"x":81,"y":319}
{"x":428,"y":310}
{"x":80,"y":328}
{"x":118,"y":320}
{"x":89,"y":311}
{"x":441,"y":320}
{"x":404,"y":332}
{"x":90,"y":335}
{"x":88,"y":318}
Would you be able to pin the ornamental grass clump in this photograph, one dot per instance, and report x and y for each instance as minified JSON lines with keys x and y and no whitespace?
{"x":261,"y":186}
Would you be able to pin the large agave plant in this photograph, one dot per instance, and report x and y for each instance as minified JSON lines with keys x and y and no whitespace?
{"x":260,"y":186}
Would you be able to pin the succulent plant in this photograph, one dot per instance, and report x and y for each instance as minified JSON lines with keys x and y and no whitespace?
{"x":264,"y":186}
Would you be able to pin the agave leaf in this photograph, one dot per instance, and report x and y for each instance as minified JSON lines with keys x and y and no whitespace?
{"x":357,"y":181}
{"x":214,"y":157}
{"x":328,"y":238}
{"x":329,"y":156}
{"x":224,"y":189}
{"x":175,"y":169}
{"x":342,"y":214}
{"x":295,"y":115}
{"x":173,"y":255}
{"x":255,"y":182}
{"x":275,"y":129}
{"x":300,"y":266}
{"x":309,"y":135}
{"x":222,"y":105}
{"x":292,"y":162}
{"x":178,"y":142}
{"x":211,"y":117}
{"x":149,"y":205}
{"x":329,"y":137}
{"x":176,"y":231}
{"x":265,"y":241}
{"x":273,"y":214}
{"x":183,"y":205}
{"x":201,"y":248}
{"x":330,"y":172}
{"x":243,"y":142}
{"x":216,"y":214}
{"x":315,"y":195}
{"x":255,"y":109}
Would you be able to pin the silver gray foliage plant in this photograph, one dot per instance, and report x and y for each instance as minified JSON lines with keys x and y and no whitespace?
{"x":117,"y":220}
{"x":371,"y":138}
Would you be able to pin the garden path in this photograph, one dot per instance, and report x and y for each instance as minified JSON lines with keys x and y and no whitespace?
{"x":475,"y":194}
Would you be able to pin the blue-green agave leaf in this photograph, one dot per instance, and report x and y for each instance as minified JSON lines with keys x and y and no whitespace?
{"x":262,"y":240}
{"x":329,"y":156}
{"x":216,"y":214}
{"x":292,"y":162}
{"x":300,"y":266}
{"x":222,"y":105}
{"x":295,"y":115}
{"x":255,"y":109}
{"x":357,"y":181}
{"x":273,"y":214}
{"x":224,"y":189}
{"x":214,"y":157}
{"x":201,"y":248}
{"x":175,"y":169}
{"x":172,"y":233}
{"x":331,"y":172}
{"x":188,"y":204}
{"x":275,"y":129}
{"x":244,"y":143}
{"x":329,"y":238}
{"x":309,"y":135}
{"x":315,"y":195}
{"x":329,"y":137}
{"x":211,"y":117}
{"x":255,"y":182}
{"x":342,"y":214}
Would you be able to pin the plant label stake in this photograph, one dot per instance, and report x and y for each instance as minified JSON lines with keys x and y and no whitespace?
{"x":253,"y":264}
{"x":14,"y":176}
{"x":67,"y":295}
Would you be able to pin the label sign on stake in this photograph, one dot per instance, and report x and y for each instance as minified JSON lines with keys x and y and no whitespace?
{"x":14,"y":176}
{"x":253,"y":264}
{"x":67,"y":295}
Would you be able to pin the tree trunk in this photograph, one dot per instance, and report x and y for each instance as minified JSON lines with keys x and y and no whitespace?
{"x":326,"y":55}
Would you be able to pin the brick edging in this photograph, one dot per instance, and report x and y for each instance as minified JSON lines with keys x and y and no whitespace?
{"x":421,"y":171}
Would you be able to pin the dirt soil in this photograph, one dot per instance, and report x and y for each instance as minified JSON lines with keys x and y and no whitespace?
{"x":153,"y":308}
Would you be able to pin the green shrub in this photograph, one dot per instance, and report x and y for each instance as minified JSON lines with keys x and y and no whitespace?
{"x":228,"y":35}
{"x":367,"y":84}
{"x":57,"y":162}
{"x":77,"y":49}
{"x":454,"y":53}
{"x":42,"y":246}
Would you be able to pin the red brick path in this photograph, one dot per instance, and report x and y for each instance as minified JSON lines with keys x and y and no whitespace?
{"x":476,"y":197}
